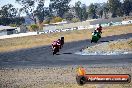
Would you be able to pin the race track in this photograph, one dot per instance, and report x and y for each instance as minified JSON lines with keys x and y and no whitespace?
{"x":42,"y":56}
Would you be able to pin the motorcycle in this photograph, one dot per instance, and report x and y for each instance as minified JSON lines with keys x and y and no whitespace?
{"x":59,"y":44}
{"x":95,"y":37}
{"x":55,"y":49}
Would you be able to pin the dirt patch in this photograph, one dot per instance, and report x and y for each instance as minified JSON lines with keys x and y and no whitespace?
{"x":46,"y":39}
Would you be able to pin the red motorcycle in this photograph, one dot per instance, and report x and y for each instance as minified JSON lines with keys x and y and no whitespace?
{"x":55,"y":47}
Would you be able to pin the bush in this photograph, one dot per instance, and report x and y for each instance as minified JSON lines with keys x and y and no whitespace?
{"x":46,"y":22}
{"x":75,"y":20}
{"x":34,"y":27}
{"x":13,"y":25}
{"x":56,"y":19}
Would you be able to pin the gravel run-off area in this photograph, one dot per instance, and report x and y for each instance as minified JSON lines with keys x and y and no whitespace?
{"x":121,"y":46}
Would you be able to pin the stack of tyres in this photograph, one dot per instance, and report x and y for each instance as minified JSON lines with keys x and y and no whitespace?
{"x":96,"y":37}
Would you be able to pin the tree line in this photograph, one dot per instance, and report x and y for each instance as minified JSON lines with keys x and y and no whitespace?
{"x":9,"y":16}
{"x":59,"y":9}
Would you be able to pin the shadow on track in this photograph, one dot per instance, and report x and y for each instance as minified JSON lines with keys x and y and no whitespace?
{"x":67,"y":53}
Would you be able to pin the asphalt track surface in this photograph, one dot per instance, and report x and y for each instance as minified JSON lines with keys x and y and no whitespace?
{"x":42,"y":56}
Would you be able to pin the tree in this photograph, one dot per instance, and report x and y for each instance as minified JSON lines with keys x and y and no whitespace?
{"x":15,"y":21}
{"x":120,"y":11}
{"x":92,"y":11}
{"x":106,"y":10}
{"x":9,"y":16}
{"x":41,"y":11}
{"x":78,"y":10}
{"x":100,"y":13}
{"x":59,"y":6}
{"x":28,"y":7}
{"x":81,"y":11}
{"x":127,"y":6}
{"x":8,"y":11}
{"x":84,"y":12}
{"x":114,"y":6}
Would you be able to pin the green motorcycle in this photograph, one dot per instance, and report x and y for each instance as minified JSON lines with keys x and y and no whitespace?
{"x":95,"y":37}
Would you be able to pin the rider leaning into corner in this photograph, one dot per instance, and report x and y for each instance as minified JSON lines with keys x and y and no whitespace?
{"x":59,"y":42}
{"x":96,"y":35}
{"x":55,"y":44}
{"x":99,"y":29}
